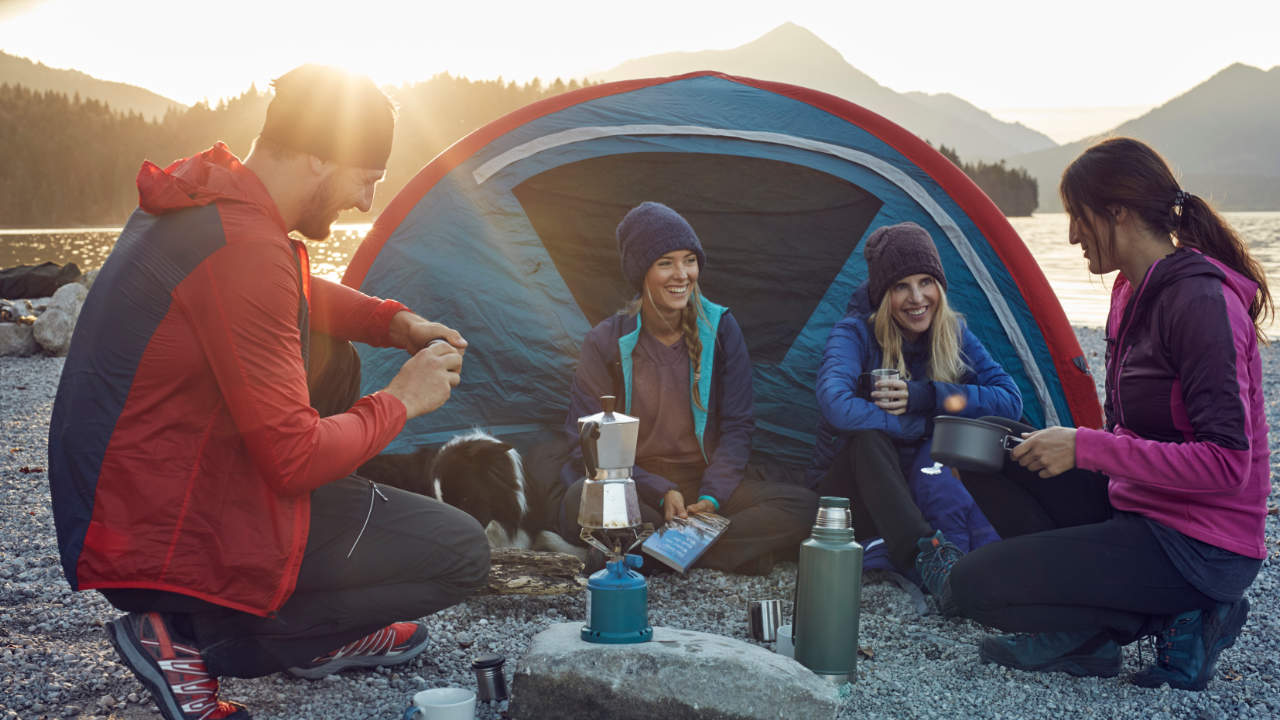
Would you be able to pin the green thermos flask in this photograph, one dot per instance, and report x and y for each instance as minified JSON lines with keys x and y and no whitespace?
{"x":828,"y":593}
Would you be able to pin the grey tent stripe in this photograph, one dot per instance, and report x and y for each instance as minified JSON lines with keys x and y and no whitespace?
{"x":857,"y":157}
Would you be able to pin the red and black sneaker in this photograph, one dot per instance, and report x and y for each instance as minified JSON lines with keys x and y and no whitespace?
{"x":392,"y":645}
{"x":171,"y":668}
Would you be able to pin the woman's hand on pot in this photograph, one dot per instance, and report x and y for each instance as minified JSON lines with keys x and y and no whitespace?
{"x":1048,"y":452}
{"x":673,"y":505}
{"x":890,"y":396}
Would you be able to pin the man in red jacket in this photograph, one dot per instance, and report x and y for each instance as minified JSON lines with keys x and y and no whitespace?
{"x":193,"y":482}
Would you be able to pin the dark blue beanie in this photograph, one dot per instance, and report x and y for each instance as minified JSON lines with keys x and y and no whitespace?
{"x":649,"y":231}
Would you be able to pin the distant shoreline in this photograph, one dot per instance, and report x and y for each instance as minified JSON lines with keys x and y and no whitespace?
{"x":368,"y":224}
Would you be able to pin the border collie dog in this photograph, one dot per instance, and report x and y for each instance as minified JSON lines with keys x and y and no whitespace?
{"x":480,"y":475}
{"x":484,"y":477}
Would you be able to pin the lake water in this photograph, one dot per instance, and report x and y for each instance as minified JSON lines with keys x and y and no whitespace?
{"x":1083,"y":296}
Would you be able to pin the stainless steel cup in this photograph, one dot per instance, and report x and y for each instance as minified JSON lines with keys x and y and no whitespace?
{"x":764,"y":616}
{"x":879,"y":374}
{"x":491,"y":684}
{"x":786,"y":646}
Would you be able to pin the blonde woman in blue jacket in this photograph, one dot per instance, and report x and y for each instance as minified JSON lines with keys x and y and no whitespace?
{"x":873,"y":442}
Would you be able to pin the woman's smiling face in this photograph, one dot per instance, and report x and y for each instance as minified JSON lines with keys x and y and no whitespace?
{"x":670,"y":280}
{"x":913,"y":302}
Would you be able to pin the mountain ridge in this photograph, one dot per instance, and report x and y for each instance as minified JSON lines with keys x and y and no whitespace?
{"x":793,"y":54}
{"x":126,"y":98}
{"x":1231,"y":158}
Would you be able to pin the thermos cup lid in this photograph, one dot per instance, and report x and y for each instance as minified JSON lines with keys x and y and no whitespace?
{"x":487,"y":660}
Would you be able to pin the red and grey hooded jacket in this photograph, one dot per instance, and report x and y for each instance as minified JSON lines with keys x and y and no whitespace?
{"x":182,"y":448}
{"x":1185,"y":442}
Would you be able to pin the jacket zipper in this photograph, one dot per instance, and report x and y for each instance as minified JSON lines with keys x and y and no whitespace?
{"x":1126,"y":323}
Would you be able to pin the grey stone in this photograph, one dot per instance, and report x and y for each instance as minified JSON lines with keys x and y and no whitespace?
{"x":54,"y":326}
{"x":69,"y":298}
{"x":86,"y":279}
{"x":17,"y":340}
{"x":53,"y":330}
{"x":679,"y":674}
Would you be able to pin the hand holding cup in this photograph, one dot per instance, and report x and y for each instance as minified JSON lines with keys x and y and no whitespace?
{"x":889,"y":391}
{"x":425,"y":382}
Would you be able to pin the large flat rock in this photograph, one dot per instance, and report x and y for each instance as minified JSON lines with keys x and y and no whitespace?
{"x":679,"y":674}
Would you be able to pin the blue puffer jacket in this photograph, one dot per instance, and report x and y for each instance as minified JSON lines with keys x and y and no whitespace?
{"x":723,"y":428}
{"x":852,"y":350}
{"x":987,"y":390}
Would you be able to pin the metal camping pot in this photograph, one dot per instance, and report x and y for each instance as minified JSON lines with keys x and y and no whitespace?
{"x":969,"y":444}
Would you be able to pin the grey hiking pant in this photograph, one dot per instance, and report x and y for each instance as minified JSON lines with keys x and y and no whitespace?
{"x":413,"y":556}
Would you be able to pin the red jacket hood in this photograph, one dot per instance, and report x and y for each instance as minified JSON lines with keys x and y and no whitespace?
{"x":213,"y":175}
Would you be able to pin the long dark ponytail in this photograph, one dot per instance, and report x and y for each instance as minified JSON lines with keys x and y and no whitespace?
{"x":1127,"y":172}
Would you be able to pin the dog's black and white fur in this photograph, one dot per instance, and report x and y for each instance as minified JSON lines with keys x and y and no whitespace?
{"x":484,"y":477}
{"x":480,"y":475}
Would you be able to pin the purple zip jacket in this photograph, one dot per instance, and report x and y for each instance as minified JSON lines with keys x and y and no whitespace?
{"x":1185,"y":441}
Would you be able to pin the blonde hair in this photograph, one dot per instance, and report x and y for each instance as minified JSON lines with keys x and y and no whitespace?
{"x":689,"y":318}
{"x":945,"y":362}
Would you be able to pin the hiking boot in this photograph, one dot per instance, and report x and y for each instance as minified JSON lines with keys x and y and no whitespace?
{"x":1188,"y":646}
{"x":392,"y":645}
{"x":934,"y":562}
{"x":171,"y":669}
{"x":1083,"y":654}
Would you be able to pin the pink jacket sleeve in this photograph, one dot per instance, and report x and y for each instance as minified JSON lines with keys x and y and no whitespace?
{"x":1213,"y":386}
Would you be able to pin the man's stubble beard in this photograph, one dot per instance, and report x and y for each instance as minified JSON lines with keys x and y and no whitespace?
{"x":319,"y":212}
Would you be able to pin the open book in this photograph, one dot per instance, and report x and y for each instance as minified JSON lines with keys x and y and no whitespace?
{"x":680,"y":543}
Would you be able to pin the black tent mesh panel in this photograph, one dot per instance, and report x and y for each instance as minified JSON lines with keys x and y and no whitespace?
{"x":776,"y":234}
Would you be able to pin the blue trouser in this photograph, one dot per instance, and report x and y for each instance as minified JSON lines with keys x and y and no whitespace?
{"x":895,"y":500}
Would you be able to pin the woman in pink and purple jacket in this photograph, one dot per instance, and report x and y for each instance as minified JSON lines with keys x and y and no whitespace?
{"x":1154,"y":524}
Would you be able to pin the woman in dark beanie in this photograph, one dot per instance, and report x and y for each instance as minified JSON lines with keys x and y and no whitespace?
{"x":679,"y":363}
{"x":873,"y":440}
{"x":1154,"y":524}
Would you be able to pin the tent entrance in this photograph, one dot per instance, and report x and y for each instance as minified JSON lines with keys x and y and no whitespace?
{"x":776,"y":234}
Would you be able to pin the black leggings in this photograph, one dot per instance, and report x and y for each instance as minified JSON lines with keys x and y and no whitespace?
{"x":868,"y":472}
{"x":1068,"y":561}
{"x":765,"y":516}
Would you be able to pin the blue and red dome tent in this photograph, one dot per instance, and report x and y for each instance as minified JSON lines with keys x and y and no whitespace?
{"x":508,"y":236}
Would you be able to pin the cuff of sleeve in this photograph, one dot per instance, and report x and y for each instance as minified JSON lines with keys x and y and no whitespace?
{"x":380,"y":320}
{"x":922,"y":396}
{"x":1090,"y":445}
{"x":714,"y":503}
{"x":399,"y":414}
{"x":912,"y":426}
{"x":655,"y":495}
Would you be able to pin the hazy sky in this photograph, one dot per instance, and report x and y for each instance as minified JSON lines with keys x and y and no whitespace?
{"x":1006,"y":56}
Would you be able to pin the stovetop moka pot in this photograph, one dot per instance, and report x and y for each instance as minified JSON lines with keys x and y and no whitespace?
{"x":608,"y":439}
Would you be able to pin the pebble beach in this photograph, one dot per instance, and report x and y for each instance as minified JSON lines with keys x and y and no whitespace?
{"x":56,"y":661}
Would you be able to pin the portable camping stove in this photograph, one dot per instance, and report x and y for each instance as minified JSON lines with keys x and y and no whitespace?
{"x":609,"y":514}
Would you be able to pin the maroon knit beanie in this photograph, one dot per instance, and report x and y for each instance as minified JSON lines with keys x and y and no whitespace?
{"x":897,"y":251}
